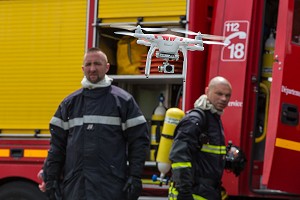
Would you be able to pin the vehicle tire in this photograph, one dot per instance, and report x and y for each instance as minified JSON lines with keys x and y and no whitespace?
{"x":21,"y":190}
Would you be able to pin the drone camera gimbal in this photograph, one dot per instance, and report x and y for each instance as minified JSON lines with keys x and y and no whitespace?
{"x":166,"y":68}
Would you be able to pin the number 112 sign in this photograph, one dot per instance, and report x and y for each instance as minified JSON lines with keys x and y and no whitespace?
{"x":236,"y":36}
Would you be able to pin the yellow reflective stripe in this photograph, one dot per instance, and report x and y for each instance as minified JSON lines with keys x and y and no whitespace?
{"x":224,"y":194}
{"x":4,"y":152}
{"x":173,"y":193}
{"x":197,"y":197}
{"x":287,"y":144}
{"x":35,"y":153}
{"x":181,"y":165}
{"x":213,"y":149}
{"x":150,"y":181}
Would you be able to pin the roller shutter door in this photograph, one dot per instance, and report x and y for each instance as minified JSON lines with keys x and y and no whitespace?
{"x":114,"y":11}
{"x":42,"y":46}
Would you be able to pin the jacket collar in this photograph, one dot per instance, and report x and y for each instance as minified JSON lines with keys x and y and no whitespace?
{"x":203,"y":103}
{"x":105,"y":82}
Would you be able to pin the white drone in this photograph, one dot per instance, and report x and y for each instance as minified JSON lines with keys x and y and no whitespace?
{"x":168,"y":45}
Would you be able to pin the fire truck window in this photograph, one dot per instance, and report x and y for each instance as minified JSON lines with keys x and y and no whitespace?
{"x":296,"y":23}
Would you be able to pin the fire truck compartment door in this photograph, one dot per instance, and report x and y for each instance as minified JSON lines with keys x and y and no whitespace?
{"x":127,"y":11}
{"x":282,"y":151}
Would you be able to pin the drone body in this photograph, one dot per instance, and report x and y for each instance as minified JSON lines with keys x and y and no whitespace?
{"x":167,"y":46}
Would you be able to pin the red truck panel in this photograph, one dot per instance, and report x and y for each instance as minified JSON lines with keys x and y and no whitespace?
{"x":282,"y":153}
{"x":233,"y":20}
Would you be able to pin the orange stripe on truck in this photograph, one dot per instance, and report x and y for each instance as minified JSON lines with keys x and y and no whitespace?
{"x":35,"y":153}
{"x":4,"y":152}
{"x":287,"y":144}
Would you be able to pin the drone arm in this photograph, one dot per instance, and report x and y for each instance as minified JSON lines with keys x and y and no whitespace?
{"x":143,"y":42}
{"x":195,"y":47}
{"x":148,"y":61}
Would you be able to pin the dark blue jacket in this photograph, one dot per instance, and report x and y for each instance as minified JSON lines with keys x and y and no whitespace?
{"x":99,"y":137}
{"x":198,"y":155}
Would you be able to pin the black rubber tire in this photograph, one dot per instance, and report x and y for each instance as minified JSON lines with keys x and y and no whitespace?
{"x":21,"y":190}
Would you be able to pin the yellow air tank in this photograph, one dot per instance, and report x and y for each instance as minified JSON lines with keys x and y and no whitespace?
{"x":268,"y":56}
{"x":157,"y":121}
{"x":172,"y":118}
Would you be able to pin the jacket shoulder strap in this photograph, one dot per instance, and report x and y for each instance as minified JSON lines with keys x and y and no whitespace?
{"x":203,"y":135}
{"x":201,"y":114}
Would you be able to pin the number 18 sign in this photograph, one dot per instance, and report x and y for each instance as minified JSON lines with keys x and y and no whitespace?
{"x":236,"y":36}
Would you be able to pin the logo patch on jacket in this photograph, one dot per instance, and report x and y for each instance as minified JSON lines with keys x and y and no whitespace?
{"x":90,"y":127}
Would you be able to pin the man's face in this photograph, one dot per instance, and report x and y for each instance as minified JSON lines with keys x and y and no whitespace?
{"x":219,"y":95}
{"x":95,"y":66}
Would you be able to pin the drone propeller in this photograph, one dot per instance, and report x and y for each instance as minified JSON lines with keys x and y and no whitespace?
{"x":205,"y":36}
{"x":131,"y":28}
{"x":124,"y":33}
{"x":215,"y":42}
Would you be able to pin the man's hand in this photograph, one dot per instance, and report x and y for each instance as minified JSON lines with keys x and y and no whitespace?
{"x":42,"y":185}
{"x":133,"y":187}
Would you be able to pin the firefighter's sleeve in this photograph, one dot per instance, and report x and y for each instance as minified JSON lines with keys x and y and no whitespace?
{"x":137,"y":136}
{"x":56,"y":154}
{"x":181,"y":154}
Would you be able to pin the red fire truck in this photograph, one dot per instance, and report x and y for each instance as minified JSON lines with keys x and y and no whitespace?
{"x":260,"y":61}
{"x":263,"y":115}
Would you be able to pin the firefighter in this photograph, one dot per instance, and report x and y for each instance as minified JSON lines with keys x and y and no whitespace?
{"x":198,"y":152}
{"x":94,"y":133}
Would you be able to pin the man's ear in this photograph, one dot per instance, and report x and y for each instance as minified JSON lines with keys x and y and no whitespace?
{"x":107,"y":67}
{"x":206,"y":90}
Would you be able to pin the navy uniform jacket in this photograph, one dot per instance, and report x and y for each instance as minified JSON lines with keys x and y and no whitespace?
{"x":94,"y":133}
{"x":198,"y":166}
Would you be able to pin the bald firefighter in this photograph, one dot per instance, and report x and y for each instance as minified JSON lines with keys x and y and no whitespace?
{"x":198,"y":152}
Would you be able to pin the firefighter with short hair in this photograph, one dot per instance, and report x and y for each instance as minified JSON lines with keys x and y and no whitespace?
{"x":95,"y":132}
